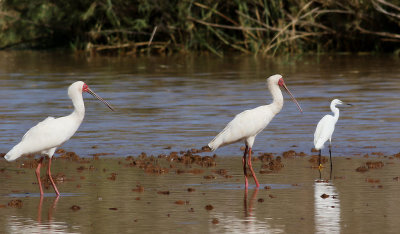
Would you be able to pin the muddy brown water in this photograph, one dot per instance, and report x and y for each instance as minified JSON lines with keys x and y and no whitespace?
{"x":91,"y":202}
{"x":178,"y":103}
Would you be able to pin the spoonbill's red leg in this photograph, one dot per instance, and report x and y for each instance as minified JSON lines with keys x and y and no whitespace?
{"x":51,"y":178}
{"x":251,"y":169}
{"x":38,"y":175}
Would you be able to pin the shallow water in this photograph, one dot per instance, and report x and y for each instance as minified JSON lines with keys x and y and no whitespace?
{"x":182,"y":103}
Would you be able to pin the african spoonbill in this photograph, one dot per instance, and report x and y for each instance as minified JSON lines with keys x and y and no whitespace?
{"x":46,"y":136}
{"x":247,"y":124}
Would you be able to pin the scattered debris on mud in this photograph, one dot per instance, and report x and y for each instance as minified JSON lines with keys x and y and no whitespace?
{"x":15,"y":203}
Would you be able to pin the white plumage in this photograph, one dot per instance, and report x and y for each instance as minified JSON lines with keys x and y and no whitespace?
{"x":246,"y":125}
{"x":46,"y":136}
{"x":325,"y":129}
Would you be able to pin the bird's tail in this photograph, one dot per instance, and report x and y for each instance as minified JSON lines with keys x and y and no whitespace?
{"x":319,"y":144}
{"x":215,"y":143}
{"x":223,"y":138}
{"x":212,"y":146}
{"x":13,"y":154}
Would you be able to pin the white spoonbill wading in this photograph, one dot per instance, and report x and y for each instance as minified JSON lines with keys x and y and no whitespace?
{"x":46,"y":136}
{"x":325,"y":129}
{"x":246,"y":125}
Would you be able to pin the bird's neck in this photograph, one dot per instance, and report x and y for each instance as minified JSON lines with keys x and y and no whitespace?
{"x":277,"y":102}
{"x":79,"y":107}
{"x":335,"y":111}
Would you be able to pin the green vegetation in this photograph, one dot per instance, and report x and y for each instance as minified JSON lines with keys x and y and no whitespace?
{"x":266,"y":27}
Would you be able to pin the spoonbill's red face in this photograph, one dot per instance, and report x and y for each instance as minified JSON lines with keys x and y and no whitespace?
{"x":281,"y":82}
{"x":85,"y":88}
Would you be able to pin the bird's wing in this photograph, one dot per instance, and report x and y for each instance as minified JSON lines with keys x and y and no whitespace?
{"x":324,"y":130}
{"x":245,"y":124}
{"x":32,"y":141}
{"x":227,"y":135}
{"x":51,"y":132}
{"x":37,"y":127}
{"x":45,"y":135}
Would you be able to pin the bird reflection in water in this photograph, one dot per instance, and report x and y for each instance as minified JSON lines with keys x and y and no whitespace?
{"x":50,"y":212}
{"x":326,"y":206}
{"x":39,"y":224}
{"x":249,"y":209}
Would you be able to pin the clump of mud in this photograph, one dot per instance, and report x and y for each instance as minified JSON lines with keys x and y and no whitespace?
{"x":163,"y":192}
{"x":113,"y":176}
{"x":370,"y":165}
{"x":15,"y":203}
{"x":271,"y":165}
{"x":152,"y":164}
{"x":139,"y":188}
{"x":215,"y":221}
{"x":181,"y":202}
{"x":292,"y":153}
{"x":75,"y":208}
{"x":374,"y":165}
{"x":362,"y":169}
{"x":324,"y":196}
{"x":223,"y":173}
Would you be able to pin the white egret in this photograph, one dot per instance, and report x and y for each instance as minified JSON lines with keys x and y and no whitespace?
{"x":325,"y":129}
{"x":246,"y":125}
{"x":46,"y":136}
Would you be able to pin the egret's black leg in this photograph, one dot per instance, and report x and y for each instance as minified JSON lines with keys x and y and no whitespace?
{"x":330,"y":153}
{"x":319,"y":160}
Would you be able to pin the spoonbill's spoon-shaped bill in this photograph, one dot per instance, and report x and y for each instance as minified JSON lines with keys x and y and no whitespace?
{"x":282,"y":84}
{"x":88,"y":90}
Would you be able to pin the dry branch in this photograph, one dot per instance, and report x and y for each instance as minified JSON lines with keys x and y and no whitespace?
{"x":382,"y":34}
{"x":226,"y":26}
{"x":152,"y":35}
{"x":380,"y":8}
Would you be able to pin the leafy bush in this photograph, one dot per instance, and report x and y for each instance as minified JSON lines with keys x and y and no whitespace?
{"x":265,"y":27}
